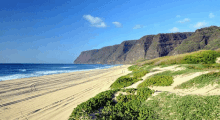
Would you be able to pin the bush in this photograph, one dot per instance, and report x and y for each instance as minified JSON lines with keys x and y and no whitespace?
{"x":126,"y":98}
{"x":139,"y":74}
{"x":129,"y":107}
{"x":144,"y":93}
{"x":130,"y":90}
{"x":133,"y":68}
{"x":201,"y":81}
{"x":147,"y":113}
{"x":123,"y":81}
{"x":204,"y":57}
{"x":93,"y":104}
{"x":160,"y":80}
{"x":121,"y":111}
{"x":198,"y":56}
{"x":170,"y":106}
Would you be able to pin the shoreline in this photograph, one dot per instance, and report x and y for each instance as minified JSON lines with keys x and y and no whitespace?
{"x":71,"y":71}
{"x":54,"y":96}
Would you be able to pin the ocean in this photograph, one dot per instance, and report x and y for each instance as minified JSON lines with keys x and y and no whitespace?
{"x":26,"y":70}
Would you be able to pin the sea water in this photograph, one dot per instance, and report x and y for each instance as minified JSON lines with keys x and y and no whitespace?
{"x":26,"y":70}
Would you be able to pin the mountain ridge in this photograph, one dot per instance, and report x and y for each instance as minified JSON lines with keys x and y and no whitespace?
{"x":153,"y":46}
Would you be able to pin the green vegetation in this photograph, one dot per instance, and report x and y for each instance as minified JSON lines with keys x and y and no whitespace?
{"x":131,"y":78}
{"x":202,"y":56}
{"x":189,"y":68}
{"x":133,"y":68}
{"x":213,"y":44}
{"x":189,"y":107}
{"x":159,"y":80}
{"x":128,"y":107}
{"x":201,"y":81}
{"x":163,"y":106}
{"x":123,"y":81}
{"x":139,"y":74}
{"x":143,"y":93}
{"x":84,"y":109}
{"x":218,"y":50}
{"x":129,"y":90}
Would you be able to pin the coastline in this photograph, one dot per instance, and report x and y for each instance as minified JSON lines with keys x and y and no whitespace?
{"x":53,"y":97}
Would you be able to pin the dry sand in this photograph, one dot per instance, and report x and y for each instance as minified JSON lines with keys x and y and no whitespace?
{"x":218,"y":60}
{"x":53,"y":97}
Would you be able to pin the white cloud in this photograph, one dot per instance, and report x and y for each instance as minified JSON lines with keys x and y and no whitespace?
{"x":138,"y":26}
{"x":117,"y":24}
{"x":178,"y":16}
{"x":174,"y":29}
{"x":184,"y":20}
{"x":200,"y":24}
{"x":211,"y":15}
{"x":95,"y":21}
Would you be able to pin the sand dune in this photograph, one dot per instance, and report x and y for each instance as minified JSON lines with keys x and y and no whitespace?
{"x":53,"y":97}
{"x":208,"y":90}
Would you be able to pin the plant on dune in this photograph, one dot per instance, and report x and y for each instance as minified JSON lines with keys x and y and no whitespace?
{"x":123,"y":81}
{"x":139,"y":74}
{"x":86,"y":108}
{"x":127,"y":80}
{"x":204,"y":57}
{"x":159,"y":80}
{"x":129,"y":90}
{"x":133,"y":68}
{"x":191,"y":107}
{"x":144,"y":93}
{"x":129,"y":107}
{"x":201,"y":81}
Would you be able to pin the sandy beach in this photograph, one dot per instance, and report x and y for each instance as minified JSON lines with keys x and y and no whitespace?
{"x":53,"y":97}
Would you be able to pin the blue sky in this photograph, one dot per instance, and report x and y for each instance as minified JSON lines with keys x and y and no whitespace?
{"x":46,"y":31}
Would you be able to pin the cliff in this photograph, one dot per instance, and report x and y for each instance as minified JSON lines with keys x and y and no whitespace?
{"x":153,"y":46}
{"x":205,"y":38}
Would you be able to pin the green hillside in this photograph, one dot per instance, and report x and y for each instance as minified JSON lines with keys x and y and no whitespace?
{"x":205,"y":38}
{"x":139,"y":104}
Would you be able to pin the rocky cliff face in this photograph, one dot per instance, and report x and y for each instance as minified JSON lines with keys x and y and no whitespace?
{"x":153,"y":46}
{"x":205,"y":38}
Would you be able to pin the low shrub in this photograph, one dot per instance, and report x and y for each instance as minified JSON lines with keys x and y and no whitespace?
{"x":130,"y":90}
{"x":93,"y":104}
{"x":129,"y":107}
{"x":123,"y":81}
{"x":126,"y":98}
{"x":127,"y":80}
{"x":144,"y":93}
{"x":133,"y":68}
{"x":204,"y":57}
{"x":139,"y":74}
{"x":201,"y":81}
{"x":170,"y":106}
{"x":121,"y":111}
{"x":147,"y":113}
{"x":160,"y":80}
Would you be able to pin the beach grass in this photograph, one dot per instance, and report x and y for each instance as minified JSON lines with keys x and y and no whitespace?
{"x":84,"y":110}
{"x":190,"y":107}
{"x":127,"y":80}
{"x":202,"y":56}
{"x":159,"y":80}
{"x":201,"y":81}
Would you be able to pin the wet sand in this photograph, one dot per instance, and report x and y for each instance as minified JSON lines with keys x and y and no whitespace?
{"x":53,"y":97}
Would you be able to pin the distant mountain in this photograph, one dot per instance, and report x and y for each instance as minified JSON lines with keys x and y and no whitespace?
{"x":153,"y":46}
{"x":204,"y":38}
